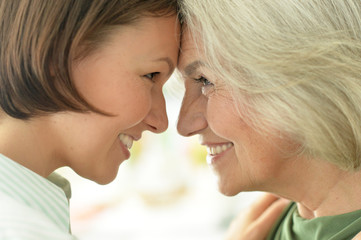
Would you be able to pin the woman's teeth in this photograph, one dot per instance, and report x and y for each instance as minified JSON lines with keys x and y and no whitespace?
{"x":218,"y":149}
{"x":126,"y":140}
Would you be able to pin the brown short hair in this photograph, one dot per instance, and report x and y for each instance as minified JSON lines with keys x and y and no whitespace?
{"x":39,"y":40}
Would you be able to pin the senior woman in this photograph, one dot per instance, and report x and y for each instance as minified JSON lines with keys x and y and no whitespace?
{"x":273,"y":88}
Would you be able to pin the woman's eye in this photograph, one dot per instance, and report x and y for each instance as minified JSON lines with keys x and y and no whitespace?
{"x":203,"y":80}
{"x":150,"y":76}
{"x":207,"y":86}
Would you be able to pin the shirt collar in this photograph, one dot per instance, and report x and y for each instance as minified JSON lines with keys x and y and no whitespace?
{"x":24,"y":185}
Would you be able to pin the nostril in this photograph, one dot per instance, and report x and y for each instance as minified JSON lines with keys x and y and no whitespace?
{"x":158,"y":127}
{"x":157,"y":119}
{"x":152,"y":128}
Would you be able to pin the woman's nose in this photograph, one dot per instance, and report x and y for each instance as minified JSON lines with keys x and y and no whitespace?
{"x":157,"y":119}
{"x":191,"y":119}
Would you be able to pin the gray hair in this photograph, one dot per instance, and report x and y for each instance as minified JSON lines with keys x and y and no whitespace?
{"x":295,"y":65}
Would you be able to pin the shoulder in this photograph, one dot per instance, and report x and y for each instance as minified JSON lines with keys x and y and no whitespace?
{"x":19,"y":221}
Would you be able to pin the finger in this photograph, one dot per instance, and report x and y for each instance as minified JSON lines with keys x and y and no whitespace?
{"x":261,"y":205}
{"x":265,"y":222}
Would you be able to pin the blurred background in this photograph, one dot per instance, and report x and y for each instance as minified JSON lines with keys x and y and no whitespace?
{"x":165,"y":191}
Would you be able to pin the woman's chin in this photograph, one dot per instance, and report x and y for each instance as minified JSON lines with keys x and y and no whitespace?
{"x":104,"y":179}
{"x":104,"y":182}
{"x":228,"y":190}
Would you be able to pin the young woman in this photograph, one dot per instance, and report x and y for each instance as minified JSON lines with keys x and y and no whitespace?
{"x":273,"y":88}
{"x":80,"y":81}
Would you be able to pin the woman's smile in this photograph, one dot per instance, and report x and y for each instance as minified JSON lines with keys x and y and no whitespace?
{"x":216,"y":151}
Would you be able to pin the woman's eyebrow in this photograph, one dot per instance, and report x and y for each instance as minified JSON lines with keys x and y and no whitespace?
{"x":169,"y":62}
{"x":192,"y":67}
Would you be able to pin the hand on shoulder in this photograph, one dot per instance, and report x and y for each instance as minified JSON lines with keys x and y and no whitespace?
{"x":256,"y":222}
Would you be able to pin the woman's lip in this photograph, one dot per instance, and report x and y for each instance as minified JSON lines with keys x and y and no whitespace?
{"x":136,"y":138}
{"x":125,"y":150}
{"x":217,"y":148}
{"x":212,"y":144}
{"x":214,"y":159}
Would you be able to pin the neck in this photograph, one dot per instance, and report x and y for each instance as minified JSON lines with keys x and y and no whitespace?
{"x":26,"y":143}
{"x":342,"y":197}
{"x":322,"y":189}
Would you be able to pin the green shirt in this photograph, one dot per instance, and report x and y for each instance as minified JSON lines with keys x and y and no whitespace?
{"x":291,"y":226}
{"x":31,"y":207}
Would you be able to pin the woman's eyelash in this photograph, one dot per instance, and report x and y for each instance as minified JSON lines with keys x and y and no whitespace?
{"x":203,"y":80}
{"x":150,"y":76}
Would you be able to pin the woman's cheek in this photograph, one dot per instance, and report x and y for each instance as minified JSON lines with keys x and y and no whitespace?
{"x":139,"y":106}
{"x":221,"y":115}
{"x":214,"y":112}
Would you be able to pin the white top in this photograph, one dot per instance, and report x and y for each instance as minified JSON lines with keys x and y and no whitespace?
{"x":31,"y":207}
